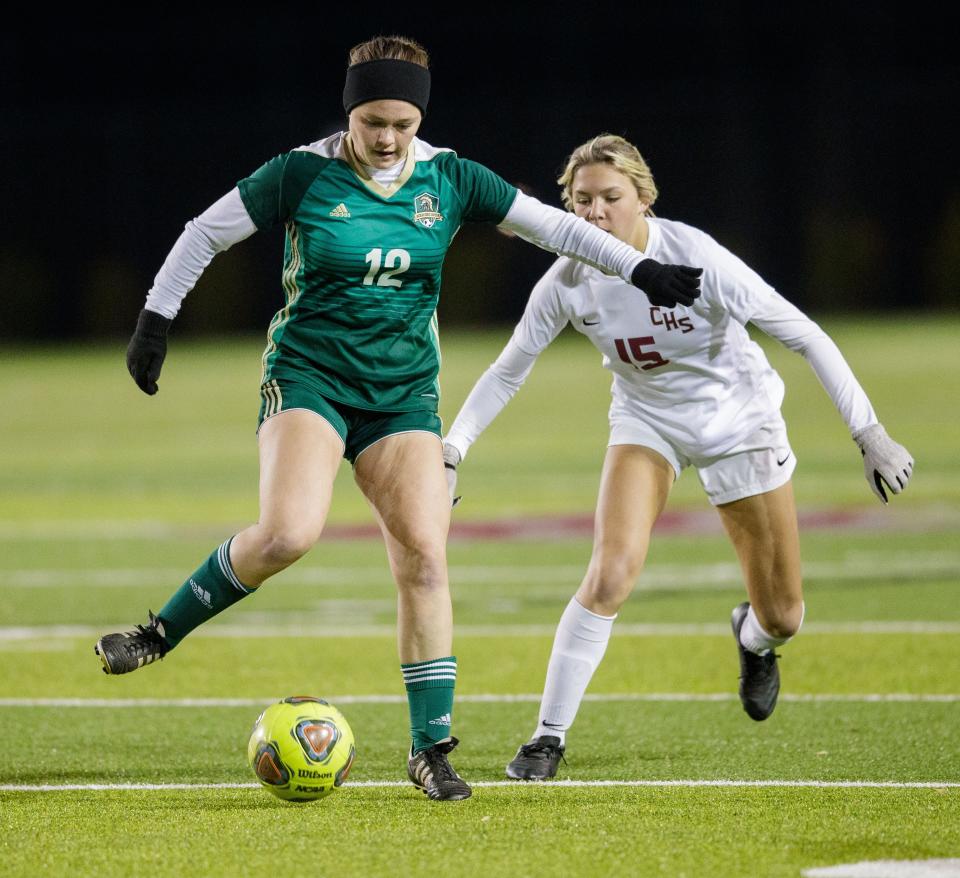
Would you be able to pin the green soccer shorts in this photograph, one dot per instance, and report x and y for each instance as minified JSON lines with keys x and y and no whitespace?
{"x":358,"y":428}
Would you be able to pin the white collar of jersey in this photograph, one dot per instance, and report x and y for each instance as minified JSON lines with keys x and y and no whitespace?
{"x":653,"y":237}
{"x":384,"y":190}
{"x":385,"y":176}
{"x":337,"y":146}
{"x":334,"y":146}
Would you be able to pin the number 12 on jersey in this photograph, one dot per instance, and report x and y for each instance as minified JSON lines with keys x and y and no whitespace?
{"x":649,"y":359}
{"x":397,"y":262}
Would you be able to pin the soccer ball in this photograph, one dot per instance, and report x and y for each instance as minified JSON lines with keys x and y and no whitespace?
{"x":301,"y":748}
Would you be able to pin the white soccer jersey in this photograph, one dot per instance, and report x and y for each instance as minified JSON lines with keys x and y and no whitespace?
{"x":692,"y":373}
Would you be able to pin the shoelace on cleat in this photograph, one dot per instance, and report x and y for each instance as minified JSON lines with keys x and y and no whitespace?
{"x":441,"y":768}
{"x":536,"y":747}
{"x":145,"y":639}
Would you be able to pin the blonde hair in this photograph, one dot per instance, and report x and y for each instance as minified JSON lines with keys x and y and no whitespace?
{"x":620,"y":154}
{"x":394,"y":48}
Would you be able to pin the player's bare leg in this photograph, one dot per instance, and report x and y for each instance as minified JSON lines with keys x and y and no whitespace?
{"x":765,"y":535}
{"x":634,"y":487}
{"x":403,"y":478}
{"x":300,"y":454}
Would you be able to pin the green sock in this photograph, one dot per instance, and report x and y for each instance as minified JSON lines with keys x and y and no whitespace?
{"x":430,"y":696}
{"x":212,"y":588}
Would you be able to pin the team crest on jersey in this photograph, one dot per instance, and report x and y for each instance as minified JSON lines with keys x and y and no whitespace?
{"x":426,"y":210}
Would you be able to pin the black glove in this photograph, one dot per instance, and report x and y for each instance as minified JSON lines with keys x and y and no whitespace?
{"x":147,"y":348}
{"x":667,"y":285}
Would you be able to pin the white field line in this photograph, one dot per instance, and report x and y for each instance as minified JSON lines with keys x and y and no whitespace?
{"x":530,"y":697}
{"x":926,"y":868}
{"x":816,"y":784}
{"x":656,"y":577}
{"x":43,"y":633}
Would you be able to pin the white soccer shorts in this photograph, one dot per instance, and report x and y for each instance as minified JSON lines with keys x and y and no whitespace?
{"x":760,"y":463}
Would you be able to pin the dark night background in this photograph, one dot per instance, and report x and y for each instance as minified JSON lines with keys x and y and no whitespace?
{"x":818,"y":146}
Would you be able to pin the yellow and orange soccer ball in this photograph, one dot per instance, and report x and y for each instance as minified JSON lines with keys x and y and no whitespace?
{"x":301,"y":749}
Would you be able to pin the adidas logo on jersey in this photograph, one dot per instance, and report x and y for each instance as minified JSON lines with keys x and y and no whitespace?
{"x":340,"y":211}
{"x":441,"y":720}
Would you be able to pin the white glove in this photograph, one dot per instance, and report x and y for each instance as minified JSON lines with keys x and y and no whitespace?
{"x":451,"y":460}
{"x":884,"y":461}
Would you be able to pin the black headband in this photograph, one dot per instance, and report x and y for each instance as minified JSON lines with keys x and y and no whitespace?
{"x":387,"y":79}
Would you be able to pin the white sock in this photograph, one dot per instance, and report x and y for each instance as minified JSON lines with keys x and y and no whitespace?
{"x":755,"y":638}
{"x":579,"y":645}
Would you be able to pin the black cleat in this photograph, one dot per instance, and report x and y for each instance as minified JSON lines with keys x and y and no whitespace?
{"x":537,"y":760}
{"x":431,"y":772}
{"x":125,"y":652}
{"x":759,"y":675}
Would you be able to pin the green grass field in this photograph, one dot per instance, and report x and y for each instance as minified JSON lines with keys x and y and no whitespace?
{"x":109,"y":498}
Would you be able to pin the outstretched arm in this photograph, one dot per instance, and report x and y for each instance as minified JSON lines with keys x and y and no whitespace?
{"x":495,"y":388}
{"x":218,"y":228}
{"x":223,"y":224}
{"x":542,"y":320}
{"x":743,"y":294}
{"x":885,"y":462}
{"x":569,"y":235}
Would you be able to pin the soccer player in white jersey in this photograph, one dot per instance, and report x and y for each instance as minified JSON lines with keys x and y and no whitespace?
{"x":350,"y":369}
{"x":689,"y":389}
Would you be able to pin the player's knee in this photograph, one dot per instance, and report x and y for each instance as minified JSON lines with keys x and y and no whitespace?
{"x":421,"y":563}
{"x":610,"y":579}
{"x":280,"y":548}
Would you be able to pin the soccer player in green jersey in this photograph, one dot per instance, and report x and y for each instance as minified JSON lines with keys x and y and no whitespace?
{"x":351,"y":363}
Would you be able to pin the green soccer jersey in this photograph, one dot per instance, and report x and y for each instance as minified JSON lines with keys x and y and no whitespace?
{"x":362,"y":263}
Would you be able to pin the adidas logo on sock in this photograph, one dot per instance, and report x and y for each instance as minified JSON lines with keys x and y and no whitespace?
{"x":444,"y":720}
{"x":340,"y":211}
{"x":202,"y":594}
